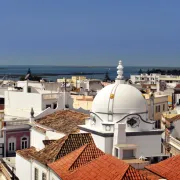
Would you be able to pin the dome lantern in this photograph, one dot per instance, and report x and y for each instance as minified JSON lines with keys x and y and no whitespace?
{"x":119,"y":78}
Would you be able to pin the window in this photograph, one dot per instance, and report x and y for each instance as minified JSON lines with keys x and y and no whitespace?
{"x":158,"y":124}
{"x":164,"y":107}
{"x":24,"y":143}
{"x":43,"y":176}
{"x":158,"y":108}
{"x":48,"y":105}
{"x":36,"y":173}
{"x":116,"y":152}
{"x":54,"y":105}
{"x":12,"y":144}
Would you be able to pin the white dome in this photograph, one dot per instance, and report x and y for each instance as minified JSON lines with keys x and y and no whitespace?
{"x":119,"y":98}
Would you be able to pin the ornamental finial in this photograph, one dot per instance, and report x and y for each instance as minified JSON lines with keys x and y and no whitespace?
{"x":120,"y":71}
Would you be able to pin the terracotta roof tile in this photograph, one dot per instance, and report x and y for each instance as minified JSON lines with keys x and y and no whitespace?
{"x":65,"y":121}
{"x":40,"y":129}
{"x":65,"y":165}
{"x":105,"y":167}
{"x":168,"y":168}
{"x":27,"y":153}
{"x":61,"y":147}
{"x":47,"y":142}
{"x":175,"y":118}
{"x":150,"y":175}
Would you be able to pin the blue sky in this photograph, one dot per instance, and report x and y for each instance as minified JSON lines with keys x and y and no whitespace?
{"x":90,"y":32}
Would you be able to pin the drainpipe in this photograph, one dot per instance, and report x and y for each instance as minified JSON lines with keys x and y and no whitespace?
{"x":31,"y":161}
{"x":4,"y":134}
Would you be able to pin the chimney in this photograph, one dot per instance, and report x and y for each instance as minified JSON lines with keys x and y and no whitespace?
{"x":157,"y":87}
{"x":25,"y":88}
{"x":119,"y":134}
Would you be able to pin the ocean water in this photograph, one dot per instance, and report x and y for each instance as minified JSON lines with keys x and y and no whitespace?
{"x":54,"y":72}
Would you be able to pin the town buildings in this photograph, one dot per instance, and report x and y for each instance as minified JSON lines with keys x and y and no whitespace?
{"x":55,"y":142}
{"x":40,"y":97}
{"x":154,"y":78}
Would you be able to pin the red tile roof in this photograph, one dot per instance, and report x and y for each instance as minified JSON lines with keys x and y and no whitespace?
{"x":175,"y":118}
{"x":75,"y":159}
{"x":40,"y":129}
{"x":60,"y":148}
{"x":27,"y":153}
{"x":65,"y":121}
{"x":89,"y":163}
{"x":106,"y":167}
{"x":150,"y":175}
{"x":169,"y":168}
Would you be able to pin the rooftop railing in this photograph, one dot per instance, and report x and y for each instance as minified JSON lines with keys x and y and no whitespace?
{"x":51,"y":96}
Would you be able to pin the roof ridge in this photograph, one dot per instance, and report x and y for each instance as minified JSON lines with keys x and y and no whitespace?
{"x":135,"y":170}
{"x":88,"y":145}
{"x":62,"y":144}
{"x":68,"y":138}
{"x":155,"y":173}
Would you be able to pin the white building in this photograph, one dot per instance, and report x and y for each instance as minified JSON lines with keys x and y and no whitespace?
{"x":120,"y":123}
{"x":154,"y":78}
{"x":145,"y":78}
{"x":43,"y":98}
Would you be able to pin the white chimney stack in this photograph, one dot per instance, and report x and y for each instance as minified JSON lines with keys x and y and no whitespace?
{"x":119,"y":134}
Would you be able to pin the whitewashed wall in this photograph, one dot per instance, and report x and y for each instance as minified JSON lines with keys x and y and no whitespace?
{"x":176,"y":130}
{"x":54,"y":176}
{"x":20,"y":103}
{"x":23,"y":168}
{"x":148,"y":145}
{"x":37,"y":139}
{"x":41,"y":169}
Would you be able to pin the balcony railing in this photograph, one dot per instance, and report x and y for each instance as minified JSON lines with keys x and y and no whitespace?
{"x":51,"y":96}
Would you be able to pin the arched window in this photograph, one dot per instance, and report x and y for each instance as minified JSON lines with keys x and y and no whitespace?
{"x":24,"y":143}
{"x":12,"y":144}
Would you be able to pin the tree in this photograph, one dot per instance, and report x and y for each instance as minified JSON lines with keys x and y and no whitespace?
{"x":30,"y":77}
{"x":140,"y":72}
{"x":107,"y":78}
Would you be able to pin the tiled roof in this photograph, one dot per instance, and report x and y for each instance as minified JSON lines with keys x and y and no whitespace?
{"x":40,"y":129}
{"x":47,"y":142}
{"x":65,"y":121}
{"x":174,"y":118}
{"x":150,"y":175}
{"x":168,"y":168}
{"x":90,"y":163}
{"x":65,"y":165}
{"x":106,"y":167}
{"x":61,"y":147}
{"x":27,"y":153}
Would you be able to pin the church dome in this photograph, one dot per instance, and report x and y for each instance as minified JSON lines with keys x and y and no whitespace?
{"x":119,"y":99}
